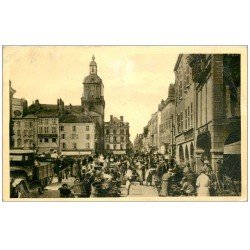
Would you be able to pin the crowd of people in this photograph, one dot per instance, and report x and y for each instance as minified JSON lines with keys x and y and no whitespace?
{"x":163,"y":173}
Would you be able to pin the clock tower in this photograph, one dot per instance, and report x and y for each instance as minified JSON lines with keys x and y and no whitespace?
{"x":93,"y":103}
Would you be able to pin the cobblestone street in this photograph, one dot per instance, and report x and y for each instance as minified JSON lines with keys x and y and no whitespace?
{"x":137,"y":190}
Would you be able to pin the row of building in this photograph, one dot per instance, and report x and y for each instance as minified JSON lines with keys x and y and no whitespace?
{"x":69,"y":129}
{"x":200,"y":118}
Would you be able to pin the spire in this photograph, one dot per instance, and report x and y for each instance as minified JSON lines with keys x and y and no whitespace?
{"x":93,"y":66}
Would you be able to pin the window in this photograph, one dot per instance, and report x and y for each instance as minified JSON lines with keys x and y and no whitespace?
{"x":87,"y":136}
{"x":122,"y":139}
{"x":40,"y":130}
{"x":87,"y":128}
{"x":25,"y":132}
{"x":63,"y":136}
{"x":40,"y":121}
{"x":62,"y":128}
{"x":180,"y":90}
{"x":54,"y":120}
{"x":181,"y":121}
{"x":114,"y":131}
{"x":188,"y":120}
{"x":53,"y":130}
{"x":18,"y":142}
{"x":114,"y":138}
{"x":121,"y":146}
{"x":122,"y":131}
{"x":30,"y":124}
{"x":73,"y":128}
{"x":46,"y":130}
{"x":114,"y":147}
{"x":74,"y":146}
{"x":74,"y":136}
{"x":107,"y":146}
{"x":88,"y":145}
{"x":64,"y":145}
{"x":18,"y":132}
{"x":185,"y":118}
{"x":46,"y":121}
{"x":107,"y":131}
{"x":46,"y":140}
{"x":54,"y":140}
{"x":191,"y":115}
{"x":41,"y":140}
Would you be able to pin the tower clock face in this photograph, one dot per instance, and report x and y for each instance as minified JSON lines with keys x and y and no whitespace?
{"x":17,"y":113}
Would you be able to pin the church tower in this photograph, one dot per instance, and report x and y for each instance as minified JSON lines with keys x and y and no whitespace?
{"x":93,"y":103}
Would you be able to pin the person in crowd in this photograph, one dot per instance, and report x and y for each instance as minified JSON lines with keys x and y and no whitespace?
{"x":187,"y":188}
{"x":128,"y":175}
{"x":203,"y":183}
{"x":165,"y":182}
{"x":139,"y":171}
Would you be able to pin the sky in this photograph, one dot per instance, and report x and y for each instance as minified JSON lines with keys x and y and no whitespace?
{"x":135,"y":78}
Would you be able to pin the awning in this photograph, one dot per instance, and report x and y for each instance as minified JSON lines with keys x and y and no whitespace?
{"x":119,"y":152}
{"x":232,"y":149}
{"x":76,"y":153}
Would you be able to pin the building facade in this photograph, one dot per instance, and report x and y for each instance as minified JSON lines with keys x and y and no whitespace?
{"x":77,"y":134}
{"x":184,"y":111}
{"x":154,"y":129}
{"x":138,"y":143}
{"x":25,"y":132}
{"x":217,"y":92}
{"x":166,"y":130}
{"x":117,"y":136}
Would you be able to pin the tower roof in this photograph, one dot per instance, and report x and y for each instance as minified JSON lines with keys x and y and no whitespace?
{"x":93,"y":63}
{"x":92,"y":79}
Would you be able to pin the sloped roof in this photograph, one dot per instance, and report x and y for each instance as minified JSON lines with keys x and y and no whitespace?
{"x":75,"y":118}
{"x":92,"y":79}
{"x":44,"y":110}
{"x":74,"y":108}
{"x":116,"y":120}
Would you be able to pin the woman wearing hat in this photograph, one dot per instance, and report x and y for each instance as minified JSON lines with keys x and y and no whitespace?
{"x":203,"y":183}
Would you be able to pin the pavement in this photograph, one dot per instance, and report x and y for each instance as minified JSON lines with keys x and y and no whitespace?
{"x":52,"y":191}
{"x":136,"y":190}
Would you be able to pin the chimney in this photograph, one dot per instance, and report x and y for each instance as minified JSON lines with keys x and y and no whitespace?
{"x":111,"y":118}
{"x":70,"y":107}
{"x":121,"y":118}
{"x":37,"y":104}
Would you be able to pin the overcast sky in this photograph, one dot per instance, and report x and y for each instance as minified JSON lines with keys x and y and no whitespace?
{"x":135,"y":78}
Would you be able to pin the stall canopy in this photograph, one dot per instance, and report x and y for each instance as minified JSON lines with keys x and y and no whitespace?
{"x":232,"y":148}
{"x":119,"y":152}
{"x":74,"y":153}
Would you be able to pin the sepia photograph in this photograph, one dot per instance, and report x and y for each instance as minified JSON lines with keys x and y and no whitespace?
{"x":125,"y":123}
